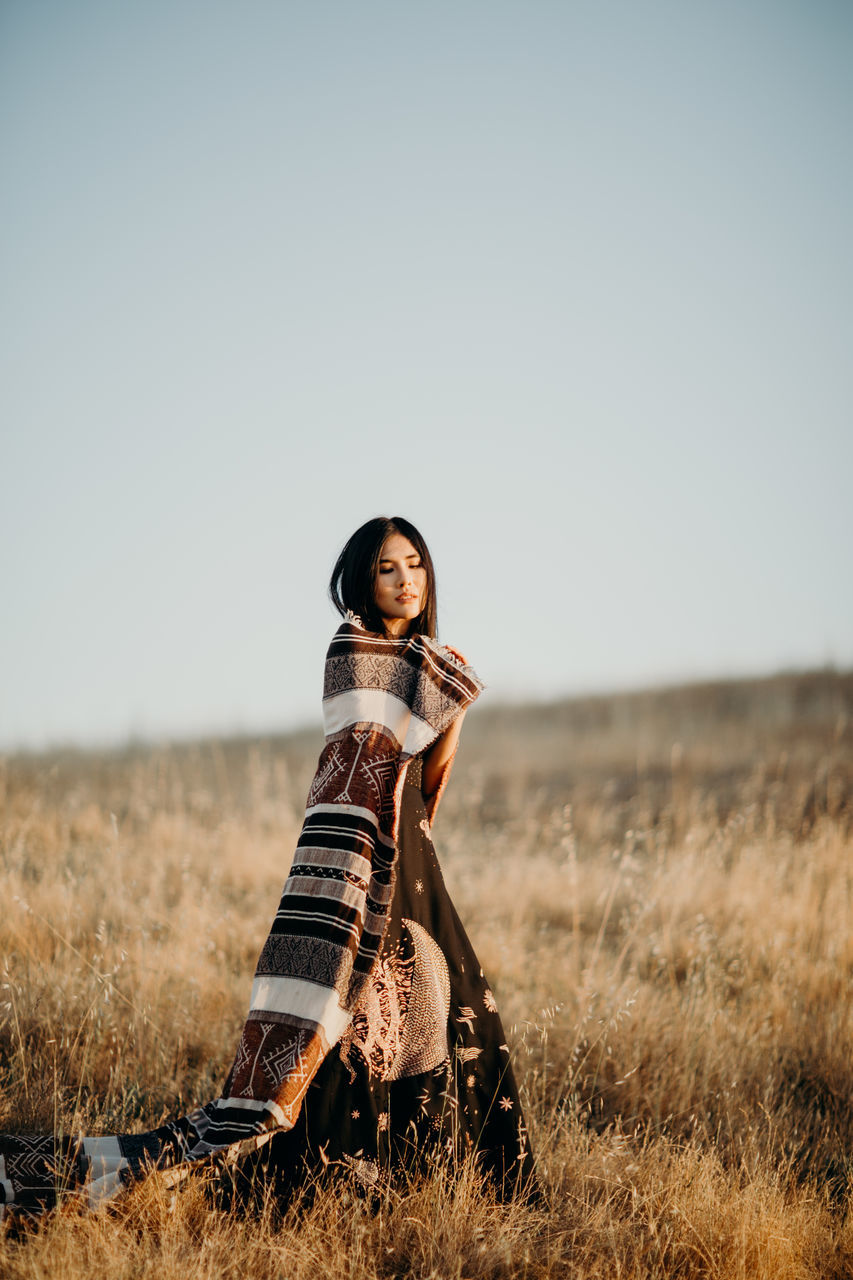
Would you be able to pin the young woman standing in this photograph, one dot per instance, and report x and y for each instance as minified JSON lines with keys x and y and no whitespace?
{"x":372,"y":1038}
{"x":423,"y":1066}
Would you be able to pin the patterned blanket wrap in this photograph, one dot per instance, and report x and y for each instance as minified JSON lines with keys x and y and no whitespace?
{"x":384,"y":701}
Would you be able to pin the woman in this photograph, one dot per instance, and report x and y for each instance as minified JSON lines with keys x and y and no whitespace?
{"x":372,"y":1037}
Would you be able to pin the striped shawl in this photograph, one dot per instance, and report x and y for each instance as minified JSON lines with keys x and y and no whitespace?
{"x":384,"y":702}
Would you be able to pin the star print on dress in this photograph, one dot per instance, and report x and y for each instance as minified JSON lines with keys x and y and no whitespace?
{"x":490,"y":1002}
{"x":356,"y":1114}
{"x":506,"y":1104}
{"x":382,"y":1122}
{"x":419,"y":886}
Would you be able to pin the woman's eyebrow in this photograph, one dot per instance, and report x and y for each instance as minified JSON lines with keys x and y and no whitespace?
{"x":413,"y":555}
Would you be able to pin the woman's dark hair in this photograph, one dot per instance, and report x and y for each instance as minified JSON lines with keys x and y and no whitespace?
{"x":354,"y":576}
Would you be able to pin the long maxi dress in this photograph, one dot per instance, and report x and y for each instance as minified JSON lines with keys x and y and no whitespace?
{"x":372,"y":1037}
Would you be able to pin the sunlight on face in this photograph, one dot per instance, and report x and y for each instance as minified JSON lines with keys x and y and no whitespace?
{"x":400,"y":586}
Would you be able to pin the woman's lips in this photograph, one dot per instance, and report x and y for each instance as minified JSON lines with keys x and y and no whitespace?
{"x":405,"y":599}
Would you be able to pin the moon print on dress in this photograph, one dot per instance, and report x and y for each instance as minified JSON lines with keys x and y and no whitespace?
{"x":400,"y":1026}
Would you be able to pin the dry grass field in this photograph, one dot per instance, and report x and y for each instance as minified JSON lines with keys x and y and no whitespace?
{"x":660,"y":887}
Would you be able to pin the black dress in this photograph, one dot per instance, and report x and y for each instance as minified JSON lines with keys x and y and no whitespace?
{"x":424,"y":1071}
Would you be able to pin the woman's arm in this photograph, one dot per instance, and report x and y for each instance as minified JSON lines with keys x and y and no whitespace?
{"x":439,"y":756}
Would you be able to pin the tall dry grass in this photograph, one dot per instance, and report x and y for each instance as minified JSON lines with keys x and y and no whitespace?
{"x":659,"y":887}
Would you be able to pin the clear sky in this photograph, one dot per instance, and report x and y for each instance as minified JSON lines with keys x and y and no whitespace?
{"x":568,"y":284}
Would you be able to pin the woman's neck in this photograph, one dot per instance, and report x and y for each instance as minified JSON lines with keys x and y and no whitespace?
{"x":396,"y":628}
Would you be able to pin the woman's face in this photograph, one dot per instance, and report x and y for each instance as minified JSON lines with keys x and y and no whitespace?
{"x":400,"y":587}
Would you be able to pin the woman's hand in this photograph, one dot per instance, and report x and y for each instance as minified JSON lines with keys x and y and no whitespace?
{"x":460,"y":656}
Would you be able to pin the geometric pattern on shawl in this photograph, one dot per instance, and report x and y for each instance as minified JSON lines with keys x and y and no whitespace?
{"x":384,"y":701}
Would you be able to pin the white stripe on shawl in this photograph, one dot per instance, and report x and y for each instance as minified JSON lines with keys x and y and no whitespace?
{"x":104,"y":1167}
{"x":103,"y":1148}
{"x":310,"y":855}
{"x":103,"y":1189}
{"x":371,"y":921}
{"x":6,"y":1184}
{"x":357,"y":830}
{"x":357,"y":810}
{"x":322,"y":918}
{"x":352,"y":895}
{"x":105,"y":1156}
{"x":366,"y":706}
{"x":419,"y":736}
{"x":375,"y":922}
{"x":242,"y":1104}
{"x":377,"y":706}
{"x":302,"y":999}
